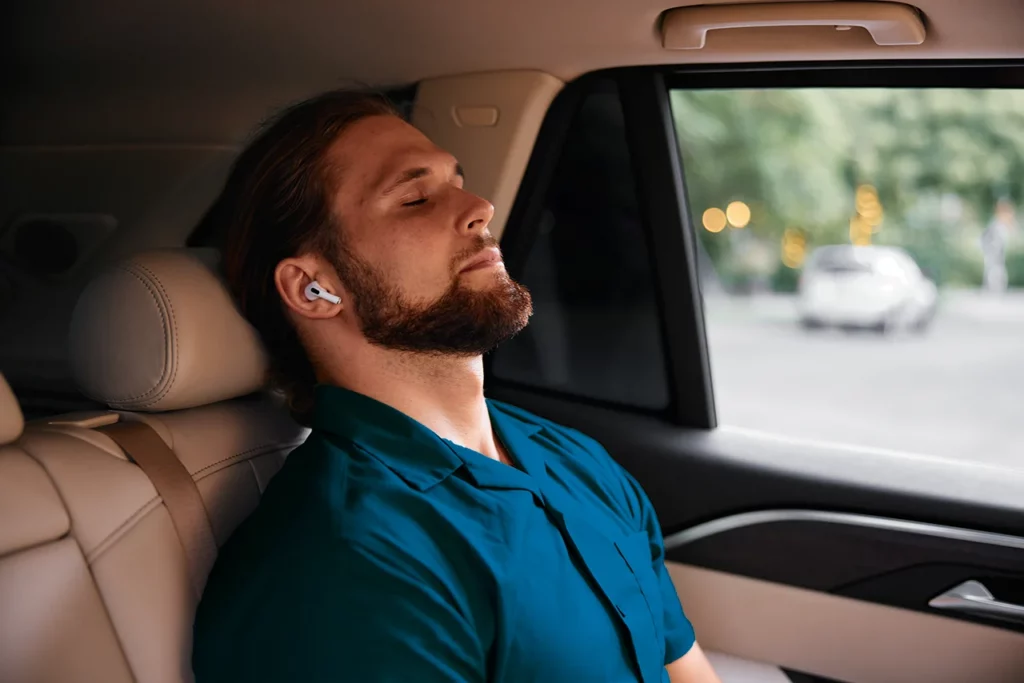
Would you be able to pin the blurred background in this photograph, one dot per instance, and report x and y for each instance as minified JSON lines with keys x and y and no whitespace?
{"x":862,"y":263}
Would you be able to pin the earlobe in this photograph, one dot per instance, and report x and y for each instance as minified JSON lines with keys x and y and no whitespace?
{"x":295,"y":279}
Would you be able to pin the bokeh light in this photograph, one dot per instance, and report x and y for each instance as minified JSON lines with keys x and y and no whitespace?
{"x":860,"y":231}
{"x":869,"y":208}
{"x":714,"y":220}
{"x":794,"y":248}
{"x":738,"y":214}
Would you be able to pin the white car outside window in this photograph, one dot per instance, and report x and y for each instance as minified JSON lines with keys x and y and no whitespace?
{"x":870,"y":287}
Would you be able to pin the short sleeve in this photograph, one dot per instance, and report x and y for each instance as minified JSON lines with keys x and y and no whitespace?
{"x":383,"y":616}
{"x":679,"y":634}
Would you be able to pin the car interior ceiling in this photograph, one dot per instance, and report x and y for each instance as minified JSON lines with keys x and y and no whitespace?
{"x":802,"y":559}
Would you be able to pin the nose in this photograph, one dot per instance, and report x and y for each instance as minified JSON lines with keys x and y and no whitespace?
{"x":477,"y":215}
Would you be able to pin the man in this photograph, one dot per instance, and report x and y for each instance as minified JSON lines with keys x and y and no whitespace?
{"x":422,"y":533}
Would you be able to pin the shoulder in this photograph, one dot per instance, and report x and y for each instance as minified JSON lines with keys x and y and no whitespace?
{"x":367,"y":509}
{"x":339,"y":550}
{"x":334,"y":502}
{"x":334,"y":522}
{"x":321,"y":605}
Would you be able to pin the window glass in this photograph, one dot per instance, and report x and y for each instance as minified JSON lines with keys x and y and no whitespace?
{"x":862,"y":263}
{"x":595,"y":330}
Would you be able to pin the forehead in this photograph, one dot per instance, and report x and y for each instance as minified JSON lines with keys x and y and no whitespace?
{"x":373,"y":149}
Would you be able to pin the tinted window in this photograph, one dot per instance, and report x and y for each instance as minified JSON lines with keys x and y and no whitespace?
{"x":595,"y":330}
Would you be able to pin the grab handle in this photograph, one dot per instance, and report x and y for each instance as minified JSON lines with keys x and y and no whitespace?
{"x":889,"y":23}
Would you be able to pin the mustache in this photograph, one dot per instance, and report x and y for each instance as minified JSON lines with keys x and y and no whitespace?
{"x":480,"y":242}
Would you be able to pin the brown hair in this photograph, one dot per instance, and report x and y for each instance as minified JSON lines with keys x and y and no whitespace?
{"x":275,"y":205}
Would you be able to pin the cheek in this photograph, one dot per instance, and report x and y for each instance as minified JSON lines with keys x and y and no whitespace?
{"x":417,"y":260}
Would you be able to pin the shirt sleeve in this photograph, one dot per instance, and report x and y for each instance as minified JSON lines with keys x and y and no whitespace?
{"x":380,"y":614}
{"x":679,"y":634}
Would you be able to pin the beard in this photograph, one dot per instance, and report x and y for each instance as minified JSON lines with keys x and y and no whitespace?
{"x":462,"y":322}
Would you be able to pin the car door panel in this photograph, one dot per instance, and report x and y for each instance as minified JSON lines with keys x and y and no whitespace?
{"x":818,"y":557}
{"x":839,"y":534}
{"x":839,"y":637}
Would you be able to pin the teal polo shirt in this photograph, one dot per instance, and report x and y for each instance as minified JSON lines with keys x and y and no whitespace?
{"x":382,"y":552}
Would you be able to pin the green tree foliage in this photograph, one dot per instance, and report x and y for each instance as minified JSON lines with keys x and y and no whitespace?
{"x":939,"y":158}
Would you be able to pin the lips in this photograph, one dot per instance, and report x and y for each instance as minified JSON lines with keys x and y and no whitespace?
{"x":485,"y":259}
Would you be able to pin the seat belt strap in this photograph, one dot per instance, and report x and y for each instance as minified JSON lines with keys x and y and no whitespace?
{"x":175,"y":485}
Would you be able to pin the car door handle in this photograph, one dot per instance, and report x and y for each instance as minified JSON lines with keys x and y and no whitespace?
{"x":971,"y":597}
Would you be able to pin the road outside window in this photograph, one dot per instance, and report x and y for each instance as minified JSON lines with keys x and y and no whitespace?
{"x":862,"y":264}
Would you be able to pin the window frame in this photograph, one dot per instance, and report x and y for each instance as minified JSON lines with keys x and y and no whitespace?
{"x":661,"y":190}
{"x":978,"y":74}
{"x":664,"y":219}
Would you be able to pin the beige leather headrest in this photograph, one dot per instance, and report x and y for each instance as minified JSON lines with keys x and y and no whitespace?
{"x":12,"y":422}
{"x":160,"y":332}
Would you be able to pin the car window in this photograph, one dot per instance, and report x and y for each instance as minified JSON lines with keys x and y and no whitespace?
{"x":862,"y":263}
{"x":595,"y":331}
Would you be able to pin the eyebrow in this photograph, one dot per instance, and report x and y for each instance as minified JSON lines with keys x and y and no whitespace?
{"x":415,"y":174}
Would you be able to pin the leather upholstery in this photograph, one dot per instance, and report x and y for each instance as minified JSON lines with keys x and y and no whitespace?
{"x":160,"y":332}
{"x":31,"y":511}
{"x":11,"y":419}
{"x":53,"y":627}
{"x":90,"y":564}
{"x":52,"y":620}
{"x":94,"y":583}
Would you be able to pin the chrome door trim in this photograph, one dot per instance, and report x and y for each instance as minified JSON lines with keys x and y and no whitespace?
{"x":747,"y":519}
{"x":972,"y":597}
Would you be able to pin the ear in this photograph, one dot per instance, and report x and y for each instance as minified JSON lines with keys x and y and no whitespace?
{"x":292,"y":276}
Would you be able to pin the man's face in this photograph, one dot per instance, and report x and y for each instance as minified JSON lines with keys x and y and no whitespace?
{"x":423,"y":271}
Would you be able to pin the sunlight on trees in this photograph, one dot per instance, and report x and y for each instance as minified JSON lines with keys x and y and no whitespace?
{"x":922,"y":169}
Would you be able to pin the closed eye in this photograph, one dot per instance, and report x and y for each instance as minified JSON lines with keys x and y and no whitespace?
{"x":416,"y":202}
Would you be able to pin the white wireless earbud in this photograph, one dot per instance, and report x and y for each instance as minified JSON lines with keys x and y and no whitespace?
{"x":314,"y":291}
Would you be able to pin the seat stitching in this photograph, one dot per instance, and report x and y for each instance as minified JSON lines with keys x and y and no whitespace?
{"x":98,"y":587}
{"x":266,"y":448}
{"x":67,"y":508}
{"x":174,"y":332}
{"x":53,"y":483}
{"x":56,"y":490}
{"x":111,"y":539}
{"x":55,"y":429}
{"x":155,"y":502}
{"x":163,"y":331}
{"x":88,"y":565}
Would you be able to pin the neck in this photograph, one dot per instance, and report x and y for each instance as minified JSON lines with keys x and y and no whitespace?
{"x":445,"y":393}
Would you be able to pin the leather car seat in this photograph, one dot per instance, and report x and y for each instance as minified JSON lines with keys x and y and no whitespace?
{"x":94,"y":582}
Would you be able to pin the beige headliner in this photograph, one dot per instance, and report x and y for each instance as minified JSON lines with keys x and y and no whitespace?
{"x":234,"y":61}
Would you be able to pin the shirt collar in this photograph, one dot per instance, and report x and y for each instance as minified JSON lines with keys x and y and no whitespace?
{"x":528,"y":470}
{"x":416,"y":453}
{"x":517,"y":437}
{"x":407,"y":447}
